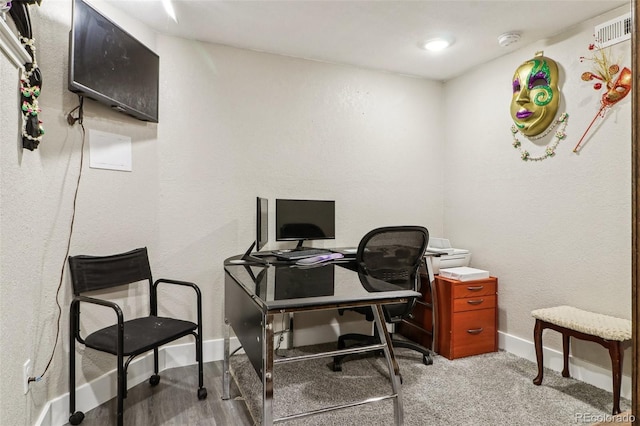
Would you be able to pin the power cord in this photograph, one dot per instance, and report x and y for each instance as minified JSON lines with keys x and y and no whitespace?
{"x":71,"y":120}
{"x":280,"y":335}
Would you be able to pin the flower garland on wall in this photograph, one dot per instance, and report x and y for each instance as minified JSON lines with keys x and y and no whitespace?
{"x":31,"y":77}
{"x":550,"y":149}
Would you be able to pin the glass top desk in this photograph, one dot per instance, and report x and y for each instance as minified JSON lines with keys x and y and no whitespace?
{"x":254,"y":293}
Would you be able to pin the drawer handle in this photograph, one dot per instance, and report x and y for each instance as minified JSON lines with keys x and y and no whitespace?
{"x":475,"y":288}
{"x":475,"y":302}
{"x":475,"y":331}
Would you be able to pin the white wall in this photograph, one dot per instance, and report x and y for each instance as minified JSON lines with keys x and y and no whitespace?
{"x":234,"y":124}
{"x":280,"y":127}
{"x":557,"y":231}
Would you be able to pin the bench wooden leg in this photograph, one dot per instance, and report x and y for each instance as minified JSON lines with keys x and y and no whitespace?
{"x":565,"y":354}
{"x":616,"y":353}
{"x":615,"y":348}
{"x":537,"y":340}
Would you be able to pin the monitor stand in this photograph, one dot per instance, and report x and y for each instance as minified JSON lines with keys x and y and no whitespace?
{"x":299,"y":246}
{"x":253,"y":259}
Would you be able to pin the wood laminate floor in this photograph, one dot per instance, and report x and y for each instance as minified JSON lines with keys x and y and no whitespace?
{"x":174,"y":401}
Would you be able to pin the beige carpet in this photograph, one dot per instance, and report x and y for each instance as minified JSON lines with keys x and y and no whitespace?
{"x":492,"y":389}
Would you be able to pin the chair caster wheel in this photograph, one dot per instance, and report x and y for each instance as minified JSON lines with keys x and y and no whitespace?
{"x":154,"y":380}
{"x":202,"y":393}
{"x":76,"y":418}
{"x":427,"y":360}
{"x":337,"y":366}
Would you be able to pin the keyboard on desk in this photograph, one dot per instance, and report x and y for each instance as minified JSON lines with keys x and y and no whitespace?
{"x":299,"y":254}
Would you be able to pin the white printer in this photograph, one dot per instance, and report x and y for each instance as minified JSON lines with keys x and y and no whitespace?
{"x":449,"y":257}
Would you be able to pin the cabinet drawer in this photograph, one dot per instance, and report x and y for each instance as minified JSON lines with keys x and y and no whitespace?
{"x":474,"y":332}
{"x":474,"y":303}
{"x":474,"y":288}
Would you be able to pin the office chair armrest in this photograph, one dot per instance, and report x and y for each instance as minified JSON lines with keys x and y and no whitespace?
{"x":75,"y":312}
{"x":154,"y":297}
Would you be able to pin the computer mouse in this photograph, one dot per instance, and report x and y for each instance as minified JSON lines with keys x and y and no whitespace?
{"x":319,"y":259}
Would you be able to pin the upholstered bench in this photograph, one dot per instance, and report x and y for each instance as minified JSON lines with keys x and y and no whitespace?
{"x":610,"y":332}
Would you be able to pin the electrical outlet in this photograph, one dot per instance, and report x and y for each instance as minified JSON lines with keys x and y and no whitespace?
{"x":26,"y":373}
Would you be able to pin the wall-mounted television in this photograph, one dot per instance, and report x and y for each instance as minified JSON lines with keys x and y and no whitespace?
{"x":110,"y":66}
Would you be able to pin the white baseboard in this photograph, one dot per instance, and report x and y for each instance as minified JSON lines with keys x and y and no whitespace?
{"x":102,"y":389}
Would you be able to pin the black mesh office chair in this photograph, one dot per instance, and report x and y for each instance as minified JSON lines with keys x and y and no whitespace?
{"x":392,"y":254}
{"x":125,"y":337}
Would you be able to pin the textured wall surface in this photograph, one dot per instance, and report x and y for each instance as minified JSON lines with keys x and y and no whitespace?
{"x":557,"y":231}
{"x":233,"y":125}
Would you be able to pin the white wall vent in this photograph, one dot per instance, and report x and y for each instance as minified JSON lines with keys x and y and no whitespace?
{"x":614,"y":31}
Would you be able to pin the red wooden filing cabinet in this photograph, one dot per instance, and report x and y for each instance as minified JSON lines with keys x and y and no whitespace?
{"x":467,"y":317}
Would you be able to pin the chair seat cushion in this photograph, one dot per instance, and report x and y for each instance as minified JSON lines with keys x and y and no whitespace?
{"x":140,"y":334}
{"x":605,"y":326}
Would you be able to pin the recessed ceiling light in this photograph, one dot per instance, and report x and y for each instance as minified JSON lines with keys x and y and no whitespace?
{"x":168,"y":7}
{"x":436,"y":44}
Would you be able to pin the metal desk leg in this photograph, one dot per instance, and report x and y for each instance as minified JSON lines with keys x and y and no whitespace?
{"x":267,"y":370}
{"x":392,"y":364}
{"x":225,"y":365}
{"x":290,"y":334}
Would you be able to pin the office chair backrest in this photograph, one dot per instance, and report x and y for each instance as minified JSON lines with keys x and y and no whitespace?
{"x":394,"y":254}
{"x":99,"y":272}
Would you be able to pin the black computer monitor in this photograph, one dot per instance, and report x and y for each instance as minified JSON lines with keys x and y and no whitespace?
{"x":262,"y":229}
{"x":301,"y":220}
{"x":262,"y":222}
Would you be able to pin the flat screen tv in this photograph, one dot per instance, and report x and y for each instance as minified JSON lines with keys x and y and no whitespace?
{"x":110,"y":66}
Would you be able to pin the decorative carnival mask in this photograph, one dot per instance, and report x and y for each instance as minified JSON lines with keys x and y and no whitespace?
{"x":535,"y":95}
{"x":604,"y":71}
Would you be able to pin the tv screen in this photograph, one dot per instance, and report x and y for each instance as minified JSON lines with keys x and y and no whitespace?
{"x":305,"y":220}
{"x":110,"y":66}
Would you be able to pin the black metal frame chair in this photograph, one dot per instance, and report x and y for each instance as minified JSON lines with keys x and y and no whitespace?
{"x":392,"y":254}
{"x":126,"y":337}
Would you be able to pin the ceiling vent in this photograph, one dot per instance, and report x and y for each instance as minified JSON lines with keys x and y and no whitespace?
{"x":614,"y":31}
